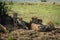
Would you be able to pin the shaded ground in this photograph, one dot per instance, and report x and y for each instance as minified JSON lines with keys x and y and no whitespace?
{"x":21,"y":34}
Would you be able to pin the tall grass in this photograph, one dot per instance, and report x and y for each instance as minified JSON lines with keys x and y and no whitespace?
{"x":45,"y":11}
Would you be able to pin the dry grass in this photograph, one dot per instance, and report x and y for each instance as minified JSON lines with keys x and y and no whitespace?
{"x":21,"y":34}
{"x":34,"y":35}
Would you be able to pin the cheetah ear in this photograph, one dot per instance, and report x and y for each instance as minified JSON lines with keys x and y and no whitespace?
{"x":50,"y":22}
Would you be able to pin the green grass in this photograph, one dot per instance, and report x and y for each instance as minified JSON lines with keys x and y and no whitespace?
{"x":10,"y":38}
{"x":45,"y":11}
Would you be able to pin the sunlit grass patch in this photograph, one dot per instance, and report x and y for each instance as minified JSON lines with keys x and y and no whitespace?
{"x":45,"y":11}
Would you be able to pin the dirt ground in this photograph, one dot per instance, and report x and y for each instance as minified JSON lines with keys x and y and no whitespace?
{"x":21,"y":34}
